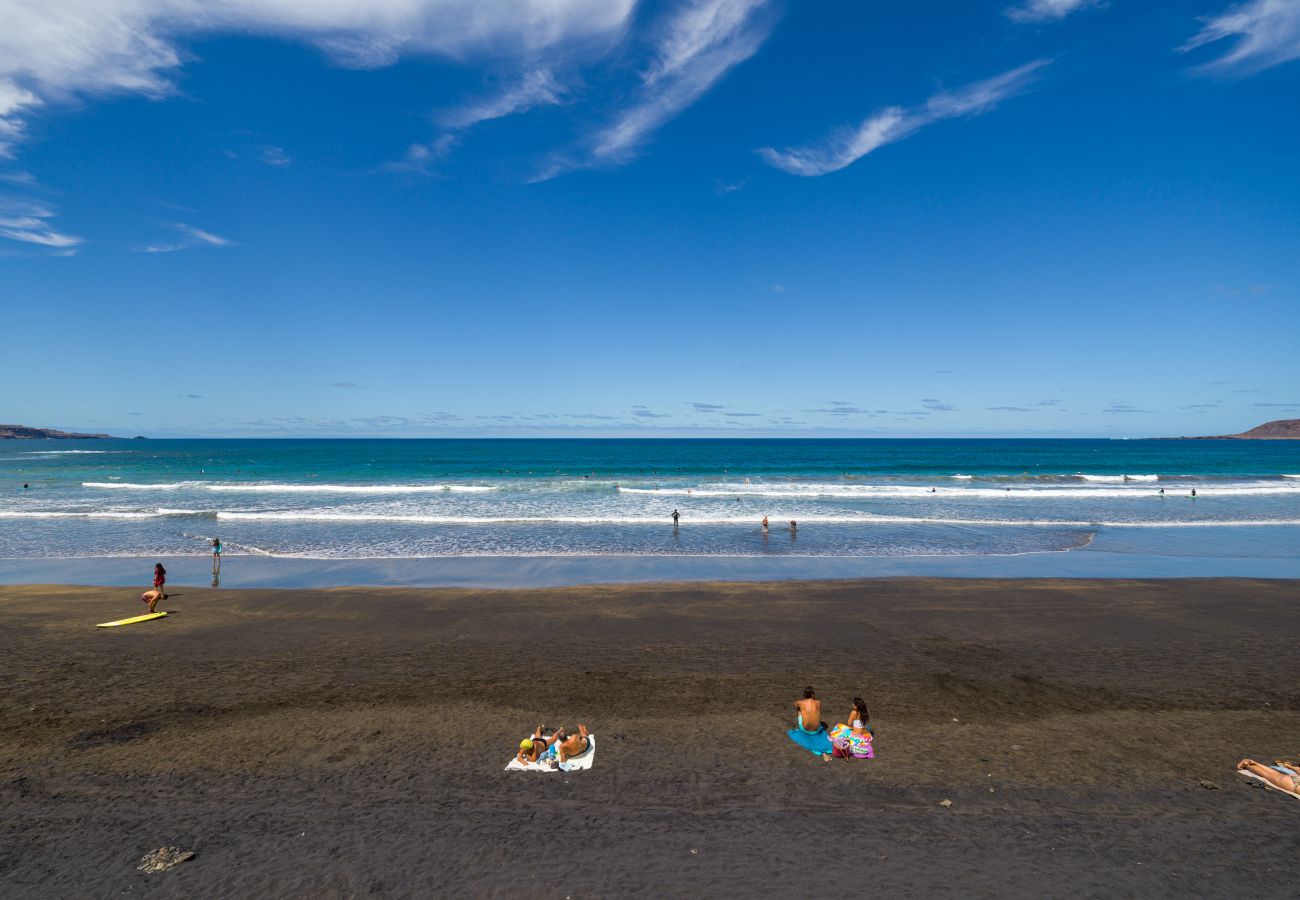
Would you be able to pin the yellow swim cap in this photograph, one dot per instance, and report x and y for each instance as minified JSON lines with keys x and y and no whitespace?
{"x":526,"y":744}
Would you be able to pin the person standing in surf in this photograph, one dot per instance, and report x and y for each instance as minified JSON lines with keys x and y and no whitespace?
{"x":216,"y":557}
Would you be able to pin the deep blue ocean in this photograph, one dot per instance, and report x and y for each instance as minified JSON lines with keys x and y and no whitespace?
{"x":404,"y":499}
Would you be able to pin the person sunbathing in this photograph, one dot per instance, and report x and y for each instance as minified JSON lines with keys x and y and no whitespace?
{"x":853,"y":741}
{"x":571,"y":745}
{"x":811,"y":732}
{"x":534,"y":748}
{"x":1273,"y":775}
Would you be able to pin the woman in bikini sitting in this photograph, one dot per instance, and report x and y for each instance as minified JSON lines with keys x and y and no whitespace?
{"x":853,"y":741}
{"x":1274,"y":774}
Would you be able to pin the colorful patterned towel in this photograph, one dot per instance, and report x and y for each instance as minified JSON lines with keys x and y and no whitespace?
{"x":855,"y":745}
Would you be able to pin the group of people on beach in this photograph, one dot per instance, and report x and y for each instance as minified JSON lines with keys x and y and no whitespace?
{"x":853,"y":739}
{"x":557,"y":746}
{"x":156,"y":593}
{"x":847,"y":740}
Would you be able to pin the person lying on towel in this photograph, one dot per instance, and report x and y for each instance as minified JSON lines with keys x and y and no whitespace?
{"x":1281,"y":775}
{"x":571,"y":745}
{"x":537,"y":748}
{"x":811,"y":731}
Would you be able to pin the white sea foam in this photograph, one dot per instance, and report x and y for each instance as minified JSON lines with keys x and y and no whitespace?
{"x":744,"y":521}
{"x":262,"y":488}
{"x":66,"y":452}
{"x":132,"y":486}
{"x":254,"y":488}
{"x":1118,"y":479}
{"x":350,"y":488}
{"x":1016,"y":492}
{"x":71,"y":514}
{"x":659,"y":520}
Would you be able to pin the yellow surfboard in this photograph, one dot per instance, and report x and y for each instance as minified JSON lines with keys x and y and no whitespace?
{"x":144,"y":618}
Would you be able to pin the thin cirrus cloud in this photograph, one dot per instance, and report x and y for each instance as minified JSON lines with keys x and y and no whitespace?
{"x":1046,"y":10}
{"x":1267,"y":32}
{"x":537,"y":88}
{"x":894,"y":123}
{"x":28,"y":223}
{"x":694,"y":49}
{"x":190,"y":237}
{"x":53,"y":52}
{"x":275,"y":156}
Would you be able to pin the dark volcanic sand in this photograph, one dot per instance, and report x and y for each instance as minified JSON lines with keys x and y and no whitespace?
{"x":351,"y":742}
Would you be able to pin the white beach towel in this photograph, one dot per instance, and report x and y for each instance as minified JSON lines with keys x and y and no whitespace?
{"x":581,"y":761}
{"x":1268,"y":784}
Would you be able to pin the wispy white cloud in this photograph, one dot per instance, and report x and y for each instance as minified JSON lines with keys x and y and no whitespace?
{"x":52,"y":51}
{"x":191,"y":237}
{"x":894,"y":123}
{"x":203,"y":237}
{"x":537,"y":88}
{"x":701,"y":44}
{"x":695,"y":47}
{"x":29,"y":223}
{"x":421,"y":157}
{"x":275,"y":156}
{"x":1267,"y":32}
{"x":1046,"y":10}
{"x":14,"y":101}
{"x":19,"y":177}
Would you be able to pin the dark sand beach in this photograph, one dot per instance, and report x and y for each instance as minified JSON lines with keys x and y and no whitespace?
{"x":350,"y":742}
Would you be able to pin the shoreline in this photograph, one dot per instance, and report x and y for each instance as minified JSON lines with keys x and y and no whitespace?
{"x":240,"y":571}
{"x":347,"y":742}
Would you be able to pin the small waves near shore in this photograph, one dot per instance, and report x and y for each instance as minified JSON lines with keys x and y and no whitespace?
{"x":418,"y":499}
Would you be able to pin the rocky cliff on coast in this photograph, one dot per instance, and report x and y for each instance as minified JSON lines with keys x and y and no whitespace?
{"x":27,"y":433}
{"x":1278,"y":430}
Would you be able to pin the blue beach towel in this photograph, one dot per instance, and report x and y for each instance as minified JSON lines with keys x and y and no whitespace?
{"x":817,"y":743}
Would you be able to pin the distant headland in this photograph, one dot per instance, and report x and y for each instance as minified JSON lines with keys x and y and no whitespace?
{"x":25,"y":433}
{"x":1279,"y":430}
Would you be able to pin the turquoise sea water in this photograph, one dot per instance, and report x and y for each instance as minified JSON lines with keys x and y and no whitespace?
{"x":418,"y":499}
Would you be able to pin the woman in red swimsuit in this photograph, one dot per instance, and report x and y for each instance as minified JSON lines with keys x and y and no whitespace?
{"x":159,"y":579}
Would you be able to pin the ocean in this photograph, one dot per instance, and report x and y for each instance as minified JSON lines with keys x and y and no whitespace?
{"x":440,"y":499}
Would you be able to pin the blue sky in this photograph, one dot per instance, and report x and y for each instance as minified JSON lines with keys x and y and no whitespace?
{"x":465,"y":217}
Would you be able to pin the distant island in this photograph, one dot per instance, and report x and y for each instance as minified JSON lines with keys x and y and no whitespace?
{"x":25,"y":433}
{"x":1279,"y":430}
